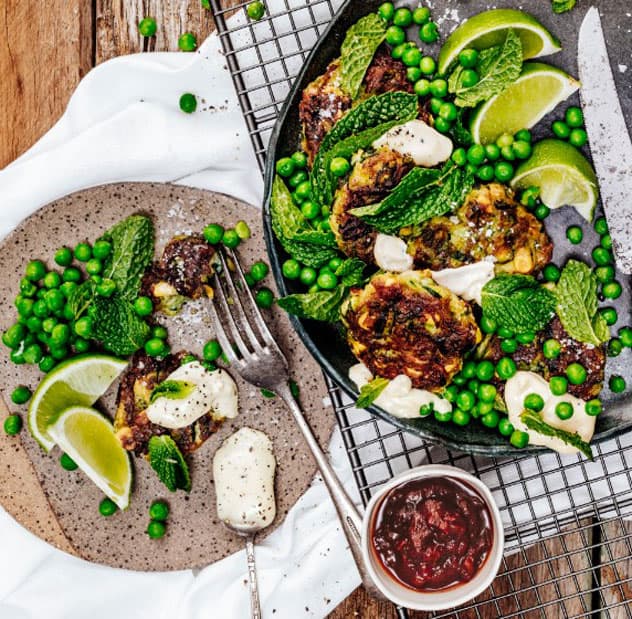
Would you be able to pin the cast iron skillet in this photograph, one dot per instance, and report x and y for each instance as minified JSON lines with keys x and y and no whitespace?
{"x":326,"y":342}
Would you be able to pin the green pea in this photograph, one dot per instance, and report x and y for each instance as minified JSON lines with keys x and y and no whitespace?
{"x":469,"y":369}
{"x":593,"y":407}
{"x":519,"y":439}
{"x":551,"y":273}
{"x":526,"y":338}
{"x":156,"y":529}
{"x":612,"y":290}
{"x":503,"y":171}
{"x":102,"y":249}
{"x":529,"y":197}
{"x":576,"y":374}
{"x":27,"y":288}
{"x":187,"y":103}
{"x":107,"y":507}
{"x":106,"y":288}
{"x":60,"y":334}
{"x":617,"y":384}
{"x":473,"y":385}
{"x":564,"y":410}
{"x":52,"y":279}
{"x":435,"y":105}
{"x":488,"y":325}
{"x":395,"y":35}
{"x":413,"y":74}
{"x":213,"y":233}
{"x":465,"y":400}
{"x":386,"y":11}
{"x":476,"y":154}
{"x":83,"y":327}
{"x":601,"y":226}
{"x":485,"y":173}
{"x":67,"y":463}
{"x":505,"y":427}
{"x":560,"y":129}
{"x":542,"y":212}
{"x":308,"y":276}
{"x":259,"y":271}
{"x":558,"y":385}
{"x":439,"y":88}
{"x":63,"y":256}
{"x":12,"y":425}
{"x":398,"y":51}
{"x":487,"y":393}
{"x":230,"y":238}
{"x":450,"y":393}
{"x":428,"y":66}
{"x":94,"y":266}
{"x":484,"y":407}
{"x":421,"y":15}
{"x":403,"y":17}
{"x":291,"y":269}
{"x":422,"y":88}
{"x":339,"y":166}
{"x":504,"y":140}
{"x":468,"y":58}
{"x":615,"y":347}
{"x":300,"y":159}
{"x":605,"y":274}
{"x":187,"y":42}
{"x":21,"y":394}
{"x":606,"y":241}
{"x":509,"y":346}
{"x":574,"y":117}
{"x":71,"y":274}
{"x":522,"y":150}
{"x":610,"y":315}
{"x":506,"y":368}
{"x":59,"y":352}
{"x":625,"y":335}
{"x":485,"y":370}
{"x":34,"y":324}
{"x":601,"y":256}
{"x":47,"y":363}
{"x":159,"y":511}
{"x":574,"y":234}
{"x":83,"y":252}
{"x":212,"y":350}
{"x":24,"y":307}
{"x":412,"y":57}
{"x":243,"y":230}
{"x":461,"y":417}
{"x":429,"y":32}
{"x":491,"y":419}
{"x":524,"y":135}
{"x":143,"y":306}
{"x":264,"y":297}
{"x":33,"y":354}
{"x":80,"y":345}
{"x":534,"y":402}
{"x":256,"y":10}
{"x":304,"y":190}
{"x":327,"y":281}
{"x":492,"y":152}
{"x":285,"y":167}
{"x":443,"y":417}
{"x":147,"y":27}
{"x":469,"y":78}
{"x":442,"y":125}
{"x":48,"y":324}
{"x":160,"y":332}
{"x":578,"y":137}
{"x":155,"y":347}
{"x":35,"y":270}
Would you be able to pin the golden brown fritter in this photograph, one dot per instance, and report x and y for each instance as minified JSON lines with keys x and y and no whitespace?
{"x":323,"y":103}
{"x":405,"y":323}
{"x":490,"y":223}
{"x":131,"y":423}
{"x":370,"y":181}
{"x":386,"y":74}
{"x":529,"y":357}
{"x":183,"y":272}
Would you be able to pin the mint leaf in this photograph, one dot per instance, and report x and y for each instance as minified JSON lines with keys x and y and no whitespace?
{"x":358,"y":49}
{"x":534,"y":422}
{"x":561,"y":6}
{"x":370,"y":392}
{"x":81,"y":298}
{"x":169,"y":463}
{"x":577,"y":304}
{"x":518,"y":302}
{"x":132,"y":252}
{"x":323,"y":305}
{"x":311,"y":247}
{"x":497,"y":68}
{"x":422,"y":194}
{"x":390,"y":107}
{"x":350,"y":272}
{"x":172,"y":390}
{"x":117,"y":326}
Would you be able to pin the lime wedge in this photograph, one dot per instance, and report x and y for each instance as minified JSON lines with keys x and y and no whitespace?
{"x":89,"y":439}
{"x":490,"y":28}
{"x":563,"y":174}
{"x":77,"y":382}
{"x":538,"y":90}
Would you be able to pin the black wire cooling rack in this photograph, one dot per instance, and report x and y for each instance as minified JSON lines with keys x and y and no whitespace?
{"x":569,"y":544}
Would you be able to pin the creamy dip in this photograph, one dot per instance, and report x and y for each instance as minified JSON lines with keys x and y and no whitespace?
{"x":520,"y":385}
{"x":390,"y":254}
{"x":467,"y":281}
{"x":419,"y":141}
{"x":243,"y":470}
{"x":203,"y":391}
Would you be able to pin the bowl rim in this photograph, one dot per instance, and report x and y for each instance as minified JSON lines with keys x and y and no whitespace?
{"x":389,"y":587}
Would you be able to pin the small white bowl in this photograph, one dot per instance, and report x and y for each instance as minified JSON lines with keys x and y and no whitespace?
{"x":452,"y":596}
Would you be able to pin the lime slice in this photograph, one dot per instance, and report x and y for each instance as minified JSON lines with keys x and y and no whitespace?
{"x":538,"y":90}
{"x":77,"y":382}
{"x":89,"y":439}
{"x":563,"y":175}
{"x":490,"y":28}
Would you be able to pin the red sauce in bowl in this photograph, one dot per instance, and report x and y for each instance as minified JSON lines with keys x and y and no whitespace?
{"x":432,"y":533}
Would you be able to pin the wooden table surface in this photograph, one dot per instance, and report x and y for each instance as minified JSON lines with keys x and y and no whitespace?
{"x":46,"y":49}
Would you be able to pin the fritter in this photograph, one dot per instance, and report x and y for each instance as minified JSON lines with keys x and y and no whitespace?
{"x":489,"y":223}
{"x":529,"y":357}
{"x":386,"y":74}
{"x":370,"y":181}
{"x":405,"y":323}
{"x":131,"y":423}
{"x":183,"y":272}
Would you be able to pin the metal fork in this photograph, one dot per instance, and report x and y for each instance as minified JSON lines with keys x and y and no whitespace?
{"x":256,"y":357}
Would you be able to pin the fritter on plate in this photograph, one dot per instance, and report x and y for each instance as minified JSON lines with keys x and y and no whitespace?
{"x":405,"y":323}
{"x":529,"y":357}
{"x":183,"y":272}
{"x":131,"y":423}
{"x":489,"y":223}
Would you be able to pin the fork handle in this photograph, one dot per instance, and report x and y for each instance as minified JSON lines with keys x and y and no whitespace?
{"x":350,"y":518}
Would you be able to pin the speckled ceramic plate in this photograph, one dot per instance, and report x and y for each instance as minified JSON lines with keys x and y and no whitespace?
{"x":61,"y":507}
{"x":326,"y":343}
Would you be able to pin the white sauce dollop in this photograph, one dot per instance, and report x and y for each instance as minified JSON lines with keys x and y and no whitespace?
{"x":399,"y":397}
{"x":214,"y":391}
{"x":467,"y":281}
{"x":520,"y":385}
{"x":423,"y":144}
{"x":243,"y":469}
{"x":390,"y":254}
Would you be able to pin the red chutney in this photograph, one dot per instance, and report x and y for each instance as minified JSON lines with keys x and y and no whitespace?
{"x":432,"y":533}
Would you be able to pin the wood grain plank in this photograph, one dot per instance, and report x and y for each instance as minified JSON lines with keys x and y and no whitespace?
{"x":44,"y":52}
{"x":616,"y":559}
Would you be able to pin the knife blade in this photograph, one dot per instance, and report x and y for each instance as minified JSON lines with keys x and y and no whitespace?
{"x":608,"y":135}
